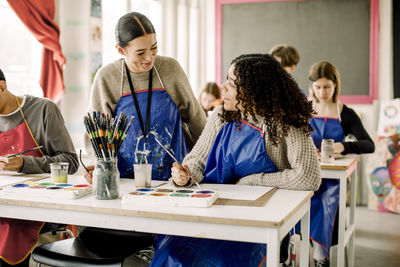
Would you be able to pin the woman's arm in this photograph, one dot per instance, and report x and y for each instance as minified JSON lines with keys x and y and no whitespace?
{"x":352,"y":124}
{"x":297,"y":162}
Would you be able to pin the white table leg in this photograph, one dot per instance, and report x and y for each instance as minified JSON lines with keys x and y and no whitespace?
{"x":273,"y":249}
{"x":342,"y":217}
{"x":350,"y":253}
{"x":304,"y":242}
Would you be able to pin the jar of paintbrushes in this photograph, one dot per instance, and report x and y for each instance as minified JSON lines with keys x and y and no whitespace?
{"x":106,"y":135}
{"x":106,"y":179}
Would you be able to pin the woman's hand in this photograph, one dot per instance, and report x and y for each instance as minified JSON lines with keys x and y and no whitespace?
{"x":11,"y":164}
{"x":88,"y":175}
{"x":180,"y":175}
{"x":338,"y":147}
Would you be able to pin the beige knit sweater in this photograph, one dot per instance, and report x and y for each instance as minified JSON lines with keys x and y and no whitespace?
{"x":295,"y":158}
{"x":110,"y":82}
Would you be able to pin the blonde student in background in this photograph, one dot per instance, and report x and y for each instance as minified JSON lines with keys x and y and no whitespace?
{"x":333,"y":120}
{"x":210,"y":97}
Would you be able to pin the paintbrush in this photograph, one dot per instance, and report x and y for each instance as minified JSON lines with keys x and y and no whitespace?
{"x":23,"y":152}
{"x":172,"y":156}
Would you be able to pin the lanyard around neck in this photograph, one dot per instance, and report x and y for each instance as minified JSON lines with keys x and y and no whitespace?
{"x":144,"y":130}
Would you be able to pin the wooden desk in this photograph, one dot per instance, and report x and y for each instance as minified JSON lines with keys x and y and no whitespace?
{"x":343,"y":169}
{"x":268,"y":224}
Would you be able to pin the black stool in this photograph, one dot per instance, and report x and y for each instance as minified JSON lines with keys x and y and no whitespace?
{"x":93,"y":247}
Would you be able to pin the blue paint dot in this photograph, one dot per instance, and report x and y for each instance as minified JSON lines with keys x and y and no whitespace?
{"x":20,"y":185}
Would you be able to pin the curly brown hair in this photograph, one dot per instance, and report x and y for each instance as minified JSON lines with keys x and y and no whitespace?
{"x":266,"y":89}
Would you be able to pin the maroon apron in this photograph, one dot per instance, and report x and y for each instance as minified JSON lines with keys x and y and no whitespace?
{"x":18,"y":237}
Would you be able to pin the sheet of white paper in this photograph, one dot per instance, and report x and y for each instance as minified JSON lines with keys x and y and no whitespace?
{"x":9,"y":177}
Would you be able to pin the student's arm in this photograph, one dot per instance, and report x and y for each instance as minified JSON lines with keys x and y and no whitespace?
{"x":53,"y":135}
{"x":297,"y":162}
{"x":352,"y":124}
{"x":197,"y":158}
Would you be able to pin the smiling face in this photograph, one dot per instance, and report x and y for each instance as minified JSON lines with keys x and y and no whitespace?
{"x":229,"y":91}
{"x":140,"y":53}
{"x":324,"y":90}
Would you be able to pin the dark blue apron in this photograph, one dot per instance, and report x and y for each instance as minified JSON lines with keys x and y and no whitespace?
{"x":165,"y":124}
{"x":238,"y":151}
{"x":325,"y":202}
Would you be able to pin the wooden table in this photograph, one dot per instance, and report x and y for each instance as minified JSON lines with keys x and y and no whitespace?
{"x":267,"y":224}
{"x":343,"y":169}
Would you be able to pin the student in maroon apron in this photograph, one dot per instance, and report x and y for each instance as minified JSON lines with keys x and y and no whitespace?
{"x":19,"y":131}
{"x":156,"y":91}
{"x":332,"y":120}
{"x":259,"y":136}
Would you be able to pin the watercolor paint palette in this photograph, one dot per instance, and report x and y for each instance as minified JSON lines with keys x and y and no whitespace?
{"x":170,"y":197}
{"x":47,"y":190}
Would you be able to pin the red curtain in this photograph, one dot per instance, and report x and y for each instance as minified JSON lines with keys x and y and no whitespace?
{"x":37,"y":15}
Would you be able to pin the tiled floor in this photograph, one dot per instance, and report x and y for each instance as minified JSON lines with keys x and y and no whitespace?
{"x":377,"y":241}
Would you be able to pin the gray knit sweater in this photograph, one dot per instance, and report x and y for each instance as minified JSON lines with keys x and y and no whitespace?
{"x":48,"y":128}
{"x":295,"y":157}
{"x":110,"y":82}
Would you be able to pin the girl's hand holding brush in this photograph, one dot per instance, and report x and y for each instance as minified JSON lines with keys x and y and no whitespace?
{"x":180,"y":174}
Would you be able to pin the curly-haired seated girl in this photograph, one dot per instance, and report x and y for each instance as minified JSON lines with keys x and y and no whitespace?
{"x":259,"y":100}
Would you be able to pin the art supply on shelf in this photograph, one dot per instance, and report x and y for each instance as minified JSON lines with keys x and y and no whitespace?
{"x":173,"y":157}
{"x":59,"y":172}
{"x":170,"y":197}
{"x":106,"y":179}
{"x":23,"y":152}
{"x":47,"y":190}
{"x":142,"y":175}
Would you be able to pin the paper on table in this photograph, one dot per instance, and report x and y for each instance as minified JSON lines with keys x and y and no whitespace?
{"x":10,"y":177}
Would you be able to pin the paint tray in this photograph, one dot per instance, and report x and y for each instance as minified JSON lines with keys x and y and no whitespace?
{"x":170,"y":197}
{"x":47,"y":190}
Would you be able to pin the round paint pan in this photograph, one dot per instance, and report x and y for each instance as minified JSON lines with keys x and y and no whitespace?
{"x":185,"y":191}
{"x":145,"y":189}
{"x":64,"y":185}
{"x":158,"y":194}
{"x":178,"y":195}
{"x":20,"y":185}
{"x":137,"y":193}
{"x":47,"y":184}
{"x":55,"y":187}
{"x":164,"y":190}
{"x":37,"y":186}
{"x":201,"y":195}
{"x":205,"y":192}
{"x":81,"y":185}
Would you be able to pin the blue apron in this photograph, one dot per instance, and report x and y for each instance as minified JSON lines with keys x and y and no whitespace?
{"x":238,"y":151}
{"x":165,"y":124}
{"x":325,"y":202}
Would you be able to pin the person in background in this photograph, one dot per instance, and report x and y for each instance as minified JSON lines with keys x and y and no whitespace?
{"x":287,"y":56}
{"x":210,"y":97}
{"x":156,"y":91}
{"x":333,"y":120}
{"x":260,"y":99}
{"x":27,"y":122}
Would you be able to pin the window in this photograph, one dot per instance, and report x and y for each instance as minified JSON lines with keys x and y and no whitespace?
{"x":20,"y":54}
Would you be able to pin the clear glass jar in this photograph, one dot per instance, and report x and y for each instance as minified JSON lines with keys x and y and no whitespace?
{"x":106,"y":179}
{"x":327,"y":151}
